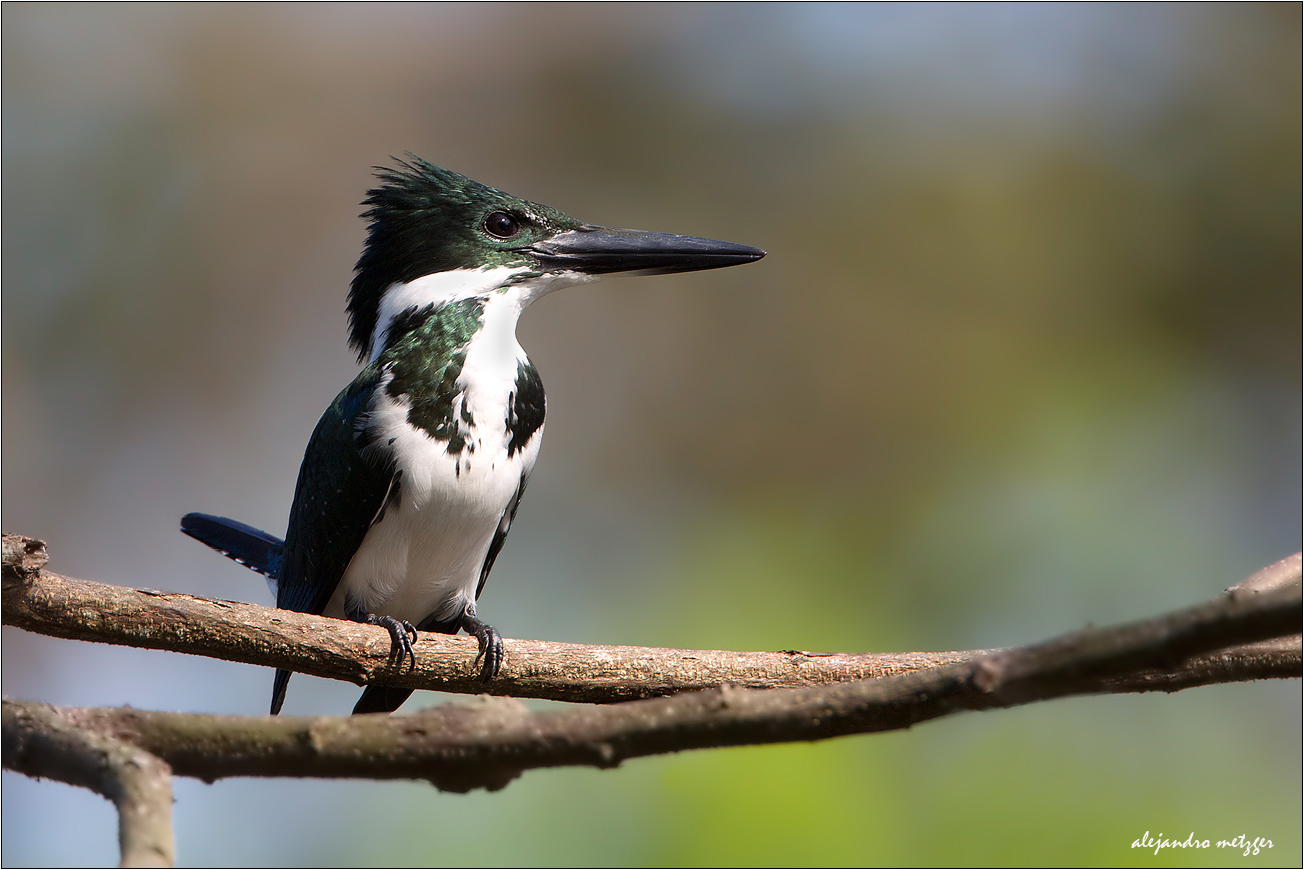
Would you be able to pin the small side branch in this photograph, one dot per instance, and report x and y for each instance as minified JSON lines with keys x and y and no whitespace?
{"x":44,"y":742}
{"x":44,"y":602}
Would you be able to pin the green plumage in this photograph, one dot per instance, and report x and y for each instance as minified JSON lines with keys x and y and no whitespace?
{"x":425,"y":361}
{"x":385,"y":483}
{"x":425,"y":219}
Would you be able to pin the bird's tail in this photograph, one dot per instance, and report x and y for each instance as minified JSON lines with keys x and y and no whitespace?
{"x":257,"y":551}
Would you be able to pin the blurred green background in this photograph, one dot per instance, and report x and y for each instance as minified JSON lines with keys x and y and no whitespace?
{"x":1025,"y":355}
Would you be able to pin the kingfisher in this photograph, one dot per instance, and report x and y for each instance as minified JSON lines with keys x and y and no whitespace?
{"x":413,"y":475}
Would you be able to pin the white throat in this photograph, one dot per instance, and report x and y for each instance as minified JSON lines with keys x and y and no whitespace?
{"x":442,"y":287}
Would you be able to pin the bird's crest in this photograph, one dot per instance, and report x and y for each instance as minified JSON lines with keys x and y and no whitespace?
{"x":425,"y":219}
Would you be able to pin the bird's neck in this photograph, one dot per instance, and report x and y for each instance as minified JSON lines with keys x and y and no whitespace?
{"x":455,"y":365}
{"x":453,"y":362}
{"x":427,"y":347}
{"x":515,"y":285}
{"x":450,"y":291}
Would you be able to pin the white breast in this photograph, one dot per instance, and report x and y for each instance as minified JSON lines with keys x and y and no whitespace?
{"x":425,"y":555}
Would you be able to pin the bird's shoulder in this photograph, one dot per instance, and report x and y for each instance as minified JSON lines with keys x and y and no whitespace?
{"x":347,"y":478}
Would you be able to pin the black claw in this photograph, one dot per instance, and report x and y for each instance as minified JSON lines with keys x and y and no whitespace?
{"x":491,"y":646}
{"x":491,"y":650}
{"x":401,"y":636}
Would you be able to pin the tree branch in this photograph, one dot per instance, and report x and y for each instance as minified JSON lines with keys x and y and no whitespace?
{"x":128,"y":755}
{"x":40,"y":741}
{"x":47,"y":603}
{"x":488,"y":743}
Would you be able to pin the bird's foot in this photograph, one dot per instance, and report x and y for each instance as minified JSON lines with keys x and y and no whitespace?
{"x":401,"y":635}
{"x":491,"y":645}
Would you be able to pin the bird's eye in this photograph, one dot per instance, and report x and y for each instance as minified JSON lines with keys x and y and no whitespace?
{"x":501,"y":225}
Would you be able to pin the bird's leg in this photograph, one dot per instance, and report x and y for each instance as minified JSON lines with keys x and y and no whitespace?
{"x":401,"y":633}
{"x":491,"y":643}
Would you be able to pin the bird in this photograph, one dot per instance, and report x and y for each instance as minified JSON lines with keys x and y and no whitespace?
{"x":412,"y":477}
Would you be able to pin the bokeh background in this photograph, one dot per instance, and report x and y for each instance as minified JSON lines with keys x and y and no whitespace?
{"x":1025,"y":355}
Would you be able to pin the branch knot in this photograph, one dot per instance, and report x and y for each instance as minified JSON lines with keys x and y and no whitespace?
{"x":23,"y":559}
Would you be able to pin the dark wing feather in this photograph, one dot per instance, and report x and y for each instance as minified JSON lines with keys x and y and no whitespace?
{"x":500,"y":536}
{"x":344,"y":485}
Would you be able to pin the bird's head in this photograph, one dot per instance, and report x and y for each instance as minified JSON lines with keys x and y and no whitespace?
{"x":435,"y":234}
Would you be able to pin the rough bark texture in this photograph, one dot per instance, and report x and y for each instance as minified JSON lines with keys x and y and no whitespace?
{"x":1249,"y":632}
{"x":47,"y":603}
{"x":486,"y":743}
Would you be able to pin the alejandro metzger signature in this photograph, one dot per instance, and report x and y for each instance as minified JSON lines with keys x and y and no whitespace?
{"x":1242,"y":842}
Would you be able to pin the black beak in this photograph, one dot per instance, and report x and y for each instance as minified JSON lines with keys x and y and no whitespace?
{"x":596,"y":250}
